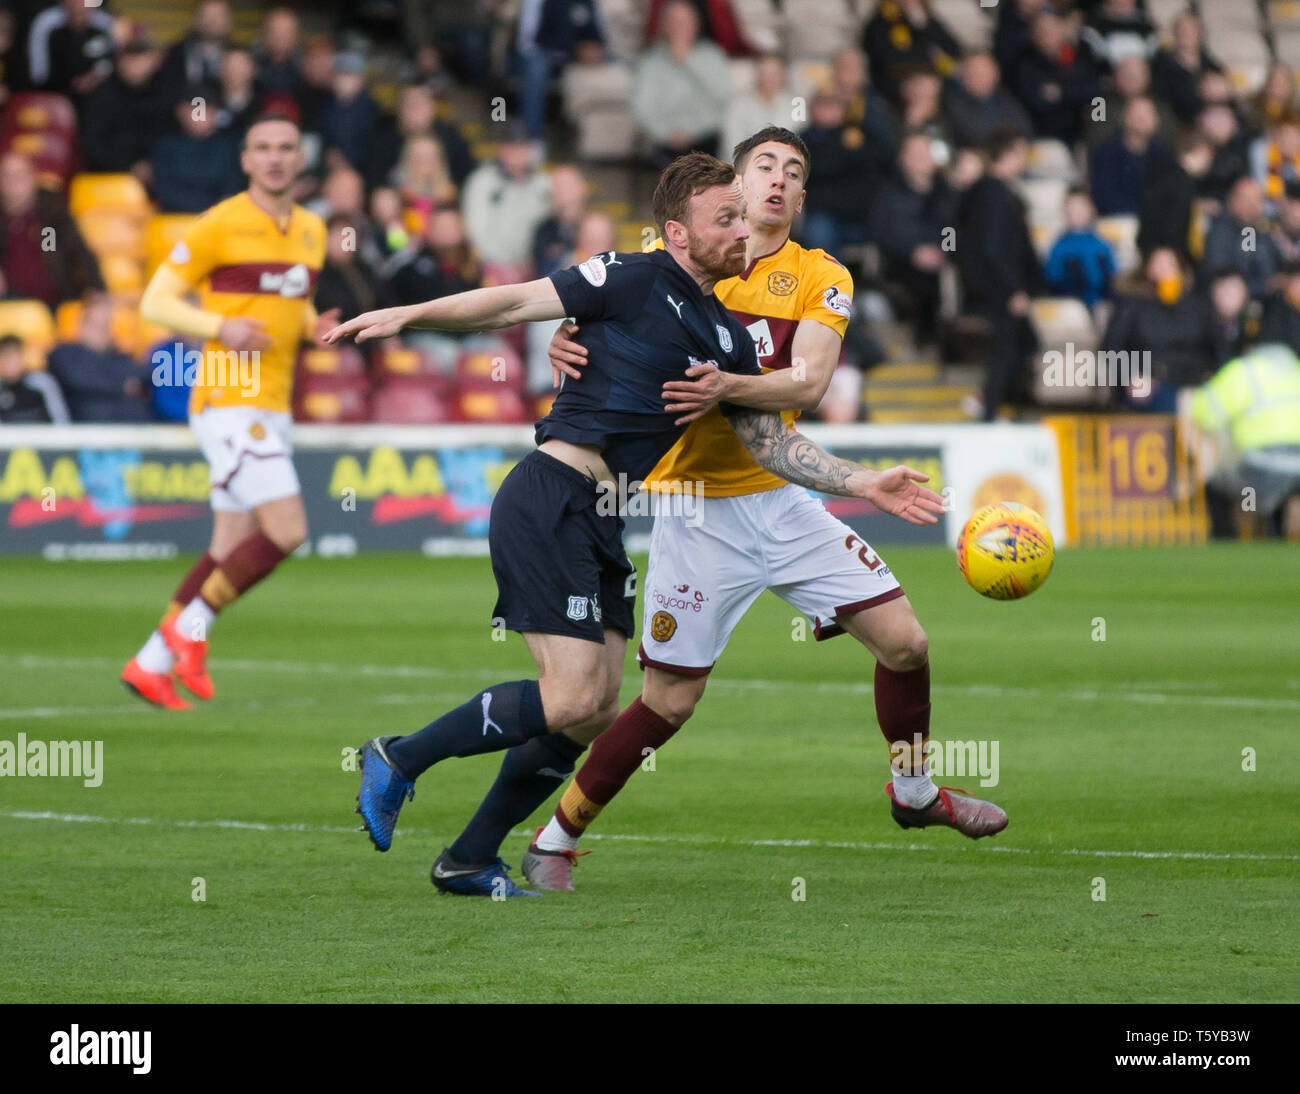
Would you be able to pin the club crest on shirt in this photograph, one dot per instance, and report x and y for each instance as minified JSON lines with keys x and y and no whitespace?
{"x":724,"y":338}
{"x":180,"y":253}
{"x":593,"y":270}
{"x":781,"y":283}
{"x":257,"y":431}
{"x":577,"y":608}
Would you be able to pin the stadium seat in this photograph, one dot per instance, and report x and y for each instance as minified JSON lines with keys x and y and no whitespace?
{"x":542,"y":405}
{"x":814,"y":29}
{"x":122,"y":273}
{"x":393,"y":361}
{"x":327,"y":399}
{"x":409,"y":402}
{"x":52,"y":154}
{"x":341,"y":361}
{"x":625,"y":22}
{"x":1049,"y":159}
{"x":744,"y":74}
{"x":1045,"y":199}
{"x":31,"y":321}
{"x":161,"y":234}
{"x":1061,"y":323}
{"x":122,"y":193}
{"x":487,"y":365}
{"x":109,"y":232}
{"x":39,"y":112}
{"x":1164,"y":12}
{"x":597,"y":100}
{"x":498,"y":403}
{"x":970,"y":23}
{"x":1121,"y":233}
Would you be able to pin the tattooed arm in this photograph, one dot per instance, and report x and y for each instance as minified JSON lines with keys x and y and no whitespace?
{"x":789,"y":454}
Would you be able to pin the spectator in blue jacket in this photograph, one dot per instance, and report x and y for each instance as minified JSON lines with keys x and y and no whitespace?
{"x":197,"y":167}
{"x":1122,"y":165}
{"x":1081,"y":264}
{"x":99,"y":383}
{"x":349,"y":117}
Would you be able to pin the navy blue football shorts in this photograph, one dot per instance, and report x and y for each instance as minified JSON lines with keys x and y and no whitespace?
{"x":559,"y":564}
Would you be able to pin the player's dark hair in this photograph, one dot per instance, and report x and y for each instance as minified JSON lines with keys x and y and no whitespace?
{"x":740,"y":156}
{"x":685,"y":177}
{"x":269,"y":116}
{"x":1001,"y":142}
{"x":8,"y":341}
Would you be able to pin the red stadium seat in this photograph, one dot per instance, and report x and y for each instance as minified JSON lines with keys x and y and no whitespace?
{"x":409,"y":402}
{"x":489,"y":365}
{"x":339,"y":361}
{"x":495,"y":403}
{"x":39,"y":112}
{"x":404,"y":362}
{"x":327,"y":399}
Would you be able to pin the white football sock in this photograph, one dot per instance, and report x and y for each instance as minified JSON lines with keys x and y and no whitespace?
{"x":555,"y":838}
{"x":154,"y":656}
{"x":915,"y":791}
{"x":195,"y":620}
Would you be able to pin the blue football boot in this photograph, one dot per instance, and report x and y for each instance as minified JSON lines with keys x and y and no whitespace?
{"x":383,"y":787}
{"x":493,"y":880}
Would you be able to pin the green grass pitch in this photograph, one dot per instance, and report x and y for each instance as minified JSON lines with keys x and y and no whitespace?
{"x":1120,"y":760}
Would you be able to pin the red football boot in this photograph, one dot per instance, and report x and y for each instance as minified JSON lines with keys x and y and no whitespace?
{"x":970,"y":816}
{"x":550,"y":870}
{"x":153,"y":687}
{"x":191,"y":659}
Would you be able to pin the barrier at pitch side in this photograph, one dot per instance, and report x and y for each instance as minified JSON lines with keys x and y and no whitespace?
{"x":115,"y":492}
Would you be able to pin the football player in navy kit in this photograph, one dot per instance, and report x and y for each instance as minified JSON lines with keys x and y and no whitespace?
{"x":563,"y":578}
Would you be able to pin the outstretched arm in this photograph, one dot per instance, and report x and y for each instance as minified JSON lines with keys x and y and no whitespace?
{"x":795,"y":458}
{"x":478,"y":309}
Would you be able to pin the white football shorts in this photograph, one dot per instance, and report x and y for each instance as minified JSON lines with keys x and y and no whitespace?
{"x":707,"y":566}
{"x":249,"y":453}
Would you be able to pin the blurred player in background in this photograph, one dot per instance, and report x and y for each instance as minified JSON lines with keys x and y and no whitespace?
{"x":254,"y":260}
{"x":755,"y":532}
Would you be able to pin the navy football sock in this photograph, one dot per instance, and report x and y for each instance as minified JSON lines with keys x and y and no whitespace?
{"x":498,"y":717}
{"x":530,"y":773}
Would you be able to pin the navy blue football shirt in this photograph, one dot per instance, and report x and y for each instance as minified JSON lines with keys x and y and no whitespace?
{"x":644,"y":322}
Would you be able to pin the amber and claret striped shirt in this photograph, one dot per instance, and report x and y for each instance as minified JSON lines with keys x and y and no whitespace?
{"x":771,"y":297}
{"x":245,"y":267}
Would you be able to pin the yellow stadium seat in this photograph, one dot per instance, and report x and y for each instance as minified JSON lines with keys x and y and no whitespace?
{"x":31,"y":321}
{"x":126,"y":323}
{"x":122,"y":193}
{"x":110,"y":232}
{"x":122,"y":273}
{"x":160,"y":236}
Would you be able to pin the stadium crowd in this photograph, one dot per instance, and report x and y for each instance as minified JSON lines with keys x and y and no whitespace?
{"x":1045,"y":171}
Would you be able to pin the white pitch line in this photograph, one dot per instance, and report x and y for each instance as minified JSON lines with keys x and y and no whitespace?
{"x":719,"y":841}
{"x":1109,"y":693}
{"x":148,"y":710}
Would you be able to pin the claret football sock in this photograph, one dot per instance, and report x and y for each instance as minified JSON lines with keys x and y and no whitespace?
{"x":530,"y":773}
{"x":903,"y":711}
{"x":499,"y":717}
{"x":617,"y":753}
{"x":190,"y":584}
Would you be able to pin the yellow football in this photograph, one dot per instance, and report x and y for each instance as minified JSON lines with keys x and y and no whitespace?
{"x":1005,"y":551}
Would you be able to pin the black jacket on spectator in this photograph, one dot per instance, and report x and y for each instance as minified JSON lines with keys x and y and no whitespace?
{"x":1011,"y":38}
{"x":386,"y":150}
{"x":973,"y":121}
{"x":1119,"y":175}
{"x":23,"y":403}
{"x":1060,"y":116}
{"x":932,"y":48}
{"x":120,"y":124}
{"x":1229,"y":164}
{"x":846,"y":173}
{"x":1180,"y":336}
{"x":188,"y":68}
{"x":351,"y":288}
{"x":72,"y":52}
{"x":1225,"y":250}
{"x":1280,"y":322}
{"x":191,"y":176}
{"x":70,"y":264}
{"x":94,"y":384}
{"x":1165,"y":215}
{"x":995,"y":254}
{"x":1173,"y":84}
{"x":418,"y":275}
{"x":903,"y":219}
{"x":552,"y":245}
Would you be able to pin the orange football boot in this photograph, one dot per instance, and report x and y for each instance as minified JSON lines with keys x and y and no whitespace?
{"x":970,"y":816}
{"x":153,"y":687}
{"x":191,"y":659}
